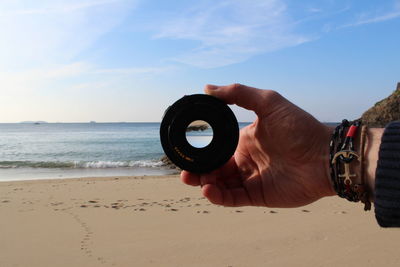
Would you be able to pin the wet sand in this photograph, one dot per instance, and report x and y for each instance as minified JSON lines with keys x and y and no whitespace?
{"x":157,"y":221}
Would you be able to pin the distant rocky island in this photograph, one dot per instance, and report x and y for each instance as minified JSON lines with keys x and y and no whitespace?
{"x":198,"y":125}
{"x":197,"y":128}
{"x":34,"y":122}
{"x":384,"y":111}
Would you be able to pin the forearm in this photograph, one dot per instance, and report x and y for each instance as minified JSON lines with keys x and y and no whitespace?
{"x":373,"y":142}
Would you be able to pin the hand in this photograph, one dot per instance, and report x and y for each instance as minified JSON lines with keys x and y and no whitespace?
{"x":281,"y":159}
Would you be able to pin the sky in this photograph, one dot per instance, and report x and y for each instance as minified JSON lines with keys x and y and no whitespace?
{"x":128,"y":60}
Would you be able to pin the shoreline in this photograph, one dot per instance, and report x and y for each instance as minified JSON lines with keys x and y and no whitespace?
{"x":88,"y":179}
{"x":27,"y":174}
{"x":158,"y":221}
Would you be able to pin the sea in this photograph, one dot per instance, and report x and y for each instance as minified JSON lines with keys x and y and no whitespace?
{"x":31,"y":151}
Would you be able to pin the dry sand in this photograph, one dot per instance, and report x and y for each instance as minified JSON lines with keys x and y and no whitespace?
{"x":157,"y":221}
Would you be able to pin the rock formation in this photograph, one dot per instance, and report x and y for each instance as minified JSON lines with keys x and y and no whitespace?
{"x":197,"y":128}
{"x":169,"y":164}
{"x":384,"y":111}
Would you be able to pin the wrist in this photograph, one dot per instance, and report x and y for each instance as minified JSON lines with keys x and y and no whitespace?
{"x":352,"y":161}
{"x":373,"y":142}
{"x":329,"y":187}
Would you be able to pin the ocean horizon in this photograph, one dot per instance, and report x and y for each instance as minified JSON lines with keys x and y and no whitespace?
{"x":40,"y":150}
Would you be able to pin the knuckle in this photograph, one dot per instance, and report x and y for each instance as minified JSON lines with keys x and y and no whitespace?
{"x":271,"y":101}
{"x":272,"y":95}
{"x":236,"y":85}
{"x":272,"y":98}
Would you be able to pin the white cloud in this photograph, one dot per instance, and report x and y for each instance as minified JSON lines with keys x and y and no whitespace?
{"x":380,"y":18}
{"x":231,"y":31}
{"x":29,"y":80}
{"x":132,"y":71}
{"x":54,"y":93}
{"x":314,"y":10}
{"x":368,"y":18}
{"x":75,"y":75}
{"x":53,"y":31}
{"x":57,"y":7}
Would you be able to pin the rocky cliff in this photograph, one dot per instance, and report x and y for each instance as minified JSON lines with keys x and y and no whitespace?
{"x":169,"y":164}
{"x":384,"y":111}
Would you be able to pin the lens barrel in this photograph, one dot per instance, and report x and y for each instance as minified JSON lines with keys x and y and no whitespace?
{"x":206,"y":108}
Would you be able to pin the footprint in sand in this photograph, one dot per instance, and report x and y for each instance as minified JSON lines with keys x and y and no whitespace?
{"x":86,"y":239}
{"x":186,"y":199}
{"x":117,"y":205}
{"x":171,"y":209}
{"x":204,"y":211}
{"x":100,"y":259}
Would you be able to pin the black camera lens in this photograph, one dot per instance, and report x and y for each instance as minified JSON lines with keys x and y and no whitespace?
{"x":212,"y":111}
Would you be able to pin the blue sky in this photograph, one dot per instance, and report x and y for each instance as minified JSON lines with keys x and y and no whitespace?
{"x":127,"y":60}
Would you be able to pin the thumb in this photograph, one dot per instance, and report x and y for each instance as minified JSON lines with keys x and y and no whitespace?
{"x":247,"y":97}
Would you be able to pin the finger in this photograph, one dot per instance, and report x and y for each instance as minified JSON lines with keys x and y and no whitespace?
{"x":226,"y":197}
{"x":208,"y":178}
{"x":224,"y":186}
{"x":247,"y":97}
{"x":190,"y":178}
{"x":229,"y":174}
{"x":213,"y":193}
{"x":228,"y":169}
{"x":194,"y":179}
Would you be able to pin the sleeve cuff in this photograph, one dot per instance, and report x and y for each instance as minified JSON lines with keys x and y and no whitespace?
{"x":387,"y":180}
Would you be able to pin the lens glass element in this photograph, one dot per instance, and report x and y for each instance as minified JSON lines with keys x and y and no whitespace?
{"x":199,"y":134}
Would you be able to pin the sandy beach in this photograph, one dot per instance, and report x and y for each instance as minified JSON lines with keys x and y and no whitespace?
{"x":157,"y":221}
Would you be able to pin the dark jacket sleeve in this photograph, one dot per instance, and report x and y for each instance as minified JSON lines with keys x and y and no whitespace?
{"x":387,"y":180}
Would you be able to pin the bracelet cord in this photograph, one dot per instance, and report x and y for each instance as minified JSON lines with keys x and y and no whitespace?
{"x":342,"y":156}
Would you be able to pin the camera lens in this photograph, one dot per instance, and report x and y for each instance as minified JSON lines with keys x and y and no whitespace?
{"x":215,"y":142}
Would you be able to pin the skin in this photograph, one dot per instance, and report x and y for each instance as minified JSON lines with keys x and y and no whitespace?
{"x":371,"y":157}
{"x":281,"y":159}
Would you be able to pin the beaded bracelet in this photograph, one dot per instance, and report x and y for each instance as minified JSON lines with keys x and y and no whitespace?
{"x":342,"y":155}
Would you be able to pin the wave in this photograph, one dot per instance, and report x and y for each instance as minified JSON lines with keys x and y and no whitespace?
{"x":80,"y":164}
